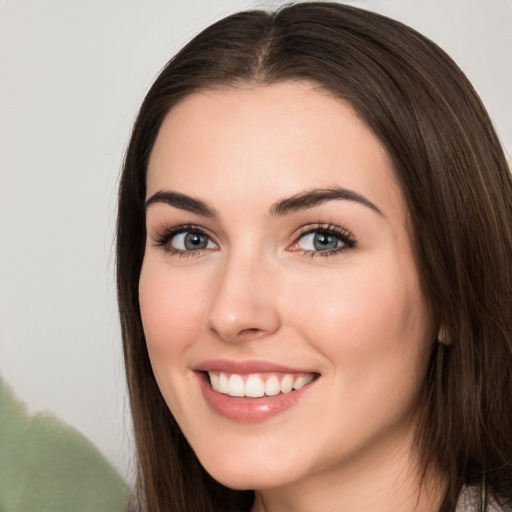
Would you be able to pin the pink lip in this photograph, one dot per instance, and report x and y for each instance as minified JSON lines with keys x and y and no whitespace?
{"x":246,"y":367}
{"x":248,"y":409}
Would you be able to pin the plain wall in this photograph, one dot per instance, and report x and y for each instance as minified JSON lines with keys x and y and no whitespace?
{"x":72,"y":75}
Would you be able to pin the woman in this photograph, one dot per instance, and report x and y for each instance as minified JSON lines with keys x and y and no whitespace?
{"x":314,"y":239}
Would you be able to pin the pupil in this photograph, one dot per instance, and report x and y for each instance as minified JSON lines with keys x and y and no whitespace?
{"x":324,"y":241}
{"x":195,"y":241}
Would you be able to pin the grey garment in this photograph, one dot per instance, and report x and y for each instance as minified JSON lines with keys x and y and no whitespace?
{"x":469,"y":499}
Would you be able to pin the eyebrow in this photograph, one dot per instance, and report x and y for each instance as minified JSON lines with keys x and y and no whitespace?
{"x":315,"y":197}
{"x":301,"y":201}
{"x":181,"y":201}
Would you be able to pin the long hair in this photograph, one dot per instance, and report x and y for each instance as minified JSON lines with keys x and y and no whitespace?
{"x":458,"y":189}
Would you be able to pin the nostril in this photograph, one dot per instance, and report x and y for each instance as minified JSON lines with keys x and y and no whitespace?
{"x":251,"y":332}
{"x":240,"y":318}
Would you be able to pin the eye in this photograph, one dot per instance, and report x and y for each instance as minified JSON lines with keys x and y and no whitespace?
{"x":323,"y":241}
{"x":185,"y":239}
{"x":319,"y":241}
{"x":191,"y":241}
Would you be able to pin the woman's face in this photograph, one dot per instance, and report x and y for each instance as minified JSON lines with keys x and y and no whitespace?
{"x":278,"y":256}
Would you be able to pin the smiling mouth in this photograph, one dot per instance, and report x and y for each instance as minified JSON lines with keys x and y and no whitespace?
{"x":257,"y":385}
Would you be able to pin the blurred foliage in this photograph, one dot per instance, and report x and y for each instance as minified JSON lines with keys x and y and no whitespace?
{"x":46,"y":466}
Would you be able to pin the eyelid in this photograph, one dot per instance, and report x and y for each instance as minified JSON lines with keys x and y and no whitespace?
{"x":347,"y":239}
{"x":344,"y":235}
{"x":166,"y":234}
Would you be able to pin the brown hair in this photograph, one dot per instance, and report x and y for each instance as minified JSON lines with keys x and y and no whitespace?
{"x":458,"y":189}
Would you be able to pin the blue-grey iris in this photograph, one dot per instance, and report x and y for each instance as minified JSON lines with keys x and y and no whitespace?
{"x":195,"y":241}
{"x":323,"y":241}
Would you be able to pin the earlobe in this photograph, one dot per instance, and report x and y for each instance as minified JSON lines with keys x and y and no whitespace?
{"x":442,"y":336}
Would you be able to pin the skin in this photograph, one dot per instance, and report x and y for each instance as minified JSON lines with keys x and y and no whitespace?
{"x":356,"y":317}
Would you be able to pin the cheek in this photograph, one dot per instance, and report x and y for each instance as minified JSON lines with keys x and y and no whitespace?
{"x":170,"y":306}
{"x":370,"y":326}
{"x":364,"y":319}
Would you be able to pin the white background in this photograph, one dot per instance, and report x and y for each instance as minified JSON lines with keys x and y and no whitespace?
{"x":72,"y":75}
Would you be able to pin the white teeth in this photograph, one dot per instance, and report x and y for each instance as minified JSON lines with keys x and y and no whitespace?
{"x":236,"y":386}
{"x":272,"y":386}
{"x":214,"y":379}
{"x":301,"y":381}
{"x":256,"y":386}
{"x":287,"y":384}
{"x":223,"y":384}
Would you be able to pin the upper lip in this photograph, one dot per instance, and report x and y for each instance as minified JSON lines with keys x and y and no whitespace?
{"x":247,"y":367}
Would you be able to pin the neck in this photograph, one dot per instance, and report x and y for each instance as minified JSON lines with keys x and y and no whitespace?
{"x":390,"y":481}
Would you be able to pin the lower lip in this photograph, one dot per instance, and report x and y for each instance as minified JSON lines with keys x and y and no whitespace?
{"x":249,"y":409}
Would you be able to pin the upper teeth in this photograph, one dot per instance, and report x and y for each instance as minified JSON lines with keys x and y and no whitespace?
{"x":256,"y":385}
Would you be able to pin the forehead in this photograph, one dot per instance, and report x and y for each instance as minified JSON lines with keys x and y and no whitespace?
{"x":273,"y":140}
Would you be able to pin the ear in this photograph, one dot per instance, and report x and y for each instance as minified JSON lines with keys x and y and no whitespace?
{"x":442,"y":336}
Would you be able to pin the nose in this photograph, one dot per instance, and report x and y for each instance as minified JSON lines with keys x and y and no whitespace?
{"x":243,"y":302}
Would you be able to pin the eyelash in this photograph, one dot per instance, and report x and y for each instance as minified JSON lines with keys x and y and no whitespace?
{"x":346,"y":238}
{"x":344,"y":235}
{"x":168,"y":234}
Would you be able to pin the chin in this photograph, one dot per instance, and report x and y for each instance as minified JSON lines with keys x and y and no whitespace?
{"x":243,"y":473}
{"x":248,"y":480}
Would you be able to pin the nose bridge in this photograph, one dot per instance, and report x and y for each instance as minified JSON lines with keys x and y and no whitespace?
{"x":241,"y":303}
